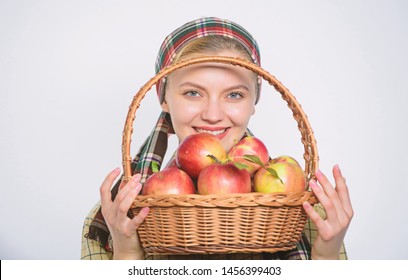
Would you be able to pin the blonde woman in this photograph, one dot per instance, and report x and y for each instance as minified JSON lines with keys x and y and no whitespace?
{"x":219,"y":99}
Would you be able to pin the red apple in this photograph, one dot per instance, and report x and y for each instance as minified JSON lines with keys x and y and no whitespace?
{"x":291,"y":178}
{"x":249,"y":146}
{"x":193,"y":153}
{"x":169,"y":181}
{"x":223,"y":179}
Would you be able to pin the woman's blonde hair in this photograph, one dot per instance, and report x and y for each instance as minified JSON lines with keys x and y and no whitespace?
{"x":210,"y":45}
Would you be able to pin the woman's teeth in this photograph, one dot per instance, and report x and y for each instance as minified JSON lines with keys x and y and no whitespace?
{"x":214,"y":132}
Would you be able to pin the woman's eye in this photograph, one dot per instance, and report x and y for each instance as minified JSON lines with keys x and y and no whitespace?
{"x":235,"y":95}
{"x":192,"y":93}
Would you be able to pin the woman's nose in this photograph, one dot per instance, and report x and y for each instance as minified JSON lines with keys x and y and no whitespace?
{"x":213,"y":112}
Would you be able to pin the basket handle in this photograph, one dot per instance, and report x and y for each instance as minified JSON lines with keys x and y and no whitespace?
{"x":309,"y":142}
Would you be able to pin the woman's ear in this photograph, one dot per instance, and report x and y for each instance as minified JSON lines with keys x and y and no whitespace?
{"x":165,"y":106}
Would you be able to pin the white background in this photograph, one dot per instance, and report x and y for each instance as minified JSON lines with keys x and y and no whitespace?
{"x":199,"y":269}
{"x":69,"y":69}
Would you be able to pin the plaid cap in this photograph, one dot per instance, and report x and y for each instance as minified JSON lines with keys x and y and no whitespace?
{"x":200,"y":28}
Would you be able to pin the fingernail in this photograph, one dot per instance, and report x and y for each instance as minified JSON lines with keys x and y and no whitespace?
{"x":338,"y":168}
{"x":145,"y":211}
{"x":313,"y":184}
{"x":306,"y":205}
{"x":116,"y":170}
{"x":319,"y":174}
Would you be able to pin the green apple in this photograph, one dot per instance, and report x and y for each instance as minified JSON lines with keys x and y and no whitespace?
{"x":280,"y":177}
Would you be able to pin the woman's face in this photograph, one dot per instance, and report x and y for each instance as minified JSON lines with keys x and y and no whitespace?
{"x":211,"y":97}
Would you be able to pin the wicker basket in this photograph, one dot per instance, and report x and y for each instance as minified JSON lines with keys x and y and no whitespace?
{"x":205,"y":224}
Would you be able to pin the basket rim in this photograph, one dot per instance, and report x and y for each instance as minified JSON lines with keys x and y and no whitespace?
{"x":231,"y":200}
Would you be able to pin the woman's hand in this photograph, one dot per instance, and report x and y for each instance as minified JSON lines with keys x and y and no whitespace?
{"x":126,"y":244}
{"x":336,"y":202}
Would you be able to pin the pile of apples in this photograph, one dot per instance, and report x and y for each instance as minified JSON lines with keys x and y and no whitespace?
{"x":203,"y":166}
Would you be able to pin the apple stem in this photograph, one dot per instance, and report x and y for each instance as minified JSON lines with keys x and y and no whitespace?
{"x":214,"y":158}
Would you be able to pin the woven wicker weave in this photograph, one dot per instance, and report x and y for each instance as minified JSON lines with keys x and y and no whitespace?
{"x":202,"y":224}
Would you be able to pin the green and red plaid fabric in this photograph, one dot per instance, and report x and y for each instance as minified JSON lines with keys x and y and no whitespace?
{"x":201,"y":28}
{"x":154,"y":148}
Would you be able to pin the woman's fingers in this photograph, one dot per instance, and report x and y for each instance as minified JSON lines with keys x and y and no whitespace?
{"x":313,"y":215}
{"x":106,"y":197}
{"x":117,"y":209}
{"x":342,"y":191}
{"x":336,"y":202}
{"x":325,"y":183}
{"x":122,"y":193}
{"x":138,"y":219}
{"x":324,"y":199}
{"x":122,"y":184}
{"x":132,"y":190}
{"x":121,"y":227}
{"x":331,"y":202}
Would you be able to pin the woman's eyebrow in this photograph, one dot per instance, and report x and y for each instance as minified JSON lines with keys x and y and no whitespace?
{"x":196,"y":85}
{"x":191,"y":84}
{"x":239,"y":86}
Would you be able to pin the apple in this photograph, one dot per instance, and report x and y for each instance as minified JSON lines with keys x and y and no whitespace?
{"x":251,"y":146}
{"x":290,"y":178}
{"x":169,"y":181}
{"x":195,"y":153}
{"x":284,"y":158}
{"x":223,"y":179}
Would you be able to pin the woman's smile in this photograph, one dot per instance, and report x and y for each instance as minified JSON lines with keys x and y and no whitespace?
{"x":216,"y":131}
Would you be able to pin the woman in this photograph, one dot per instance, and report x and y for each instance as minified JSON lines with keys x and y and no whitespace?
{"x":219,"y":99}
